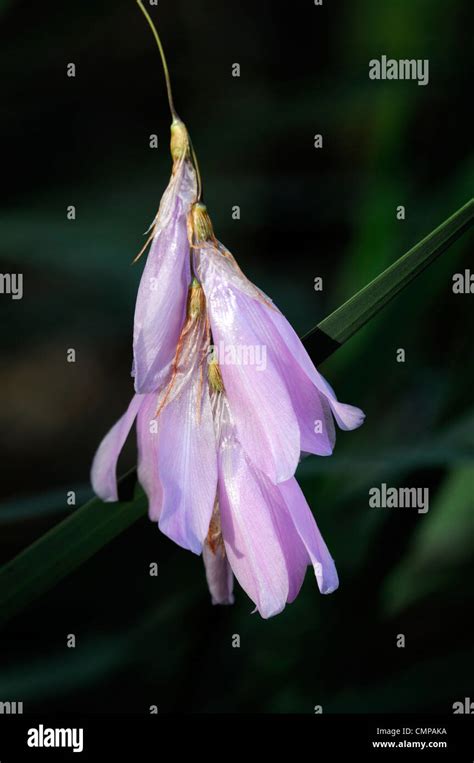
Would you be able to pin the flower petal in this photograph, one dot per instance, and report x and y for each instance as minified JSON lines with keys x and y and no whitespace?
{"x":312,"y":411}
{"x":294,"y":550}
{"x":264,"y":551}
{"x":104,"y":466}
{"x":285,"y":345}
{"x":187,"y":466}
{"x":251,"y":541}
{"x":218,"y":575}
{"x":347,"y":416}
{"x":261,"y":407}
{"x":305,"y":524}
{"x":161,"y":300}
{"x":147,"y":439}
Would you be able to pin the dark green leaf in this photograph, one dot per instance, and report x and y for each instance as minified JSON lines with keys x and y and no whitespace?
{"x":64,"y":548}
{"x":353,"y":314}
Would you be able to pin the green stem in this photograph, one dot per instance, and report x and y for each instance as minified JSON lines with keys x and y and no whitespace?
{"x":163,"y":59}
{"x":173,"y":111}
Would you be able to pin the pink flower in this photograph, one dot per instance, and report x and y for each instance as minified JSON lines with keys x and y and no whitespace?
{"x":226,"y":400}
{"x":266,"y":532}
{"x":203,"y":489}
{"x":218,"y":442}
{"x":161,"y":300}
{"x":286,"y":408}
{"x":177,"y":462}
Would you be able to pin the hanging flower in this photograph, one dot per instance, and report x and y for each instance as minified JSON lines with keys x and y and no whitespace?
{"x":161,"y":301}
{"x":177,"y":461}
{"x":264,"y":534}
{"x":204,"y":489}
{"x":226,"y":401}
{"x":281,"y":407}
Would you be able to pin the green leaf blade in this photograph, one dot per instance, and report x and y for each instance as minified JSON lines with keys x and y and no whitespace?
{"x":63,"y":549}
{"x":357,"y":311}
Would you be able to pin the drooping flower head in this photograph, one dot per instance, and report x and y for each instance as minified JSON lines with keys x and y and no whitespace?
{"x":219,"y":440}
{"x":203,"y":489}
{"x":226,"y":401}
{"x":292,"y":405}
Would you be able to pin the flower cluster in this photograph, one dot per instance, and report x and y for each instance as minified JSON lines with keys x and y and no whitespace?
{"x":219,"y":440}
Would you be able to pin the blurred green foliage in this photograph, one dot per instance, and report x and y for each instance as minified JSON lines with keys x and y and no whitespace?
{"x":144,"y":640}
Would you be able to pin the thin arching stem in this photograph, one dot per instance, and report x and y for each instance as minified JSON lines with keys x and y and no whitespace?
{"x":174,"y":113}
{"x":163,"y":58}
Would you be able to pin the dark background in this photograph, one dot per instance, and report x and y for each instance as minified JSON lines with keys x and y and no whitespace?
{"x":304,"y":213}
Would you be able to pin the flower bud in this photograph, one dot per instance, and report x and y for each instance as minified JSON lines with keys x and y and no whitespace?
{"x":196,"y":299}
{"x":179,"y":140}
{"x":201,"y":223}
{"x":215,"y":376}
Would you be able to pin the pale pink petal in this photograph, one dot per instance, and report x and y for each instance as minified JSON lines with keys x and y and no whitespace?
{"x":243,"y":315}
{"x":294,"y":551}
{"x":218,"y":575}
{"x":104,"y":466}
{"x":261,"y":407}
{"x":251,"y":540}
{"x":262,"y":547}
{"x":147,"y":439}
{"x":347,"y":416}
{"x":312,"y":410}
{"x":187,"y":466}
{"x":162,"y":294}
{"x":305,"y":524}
